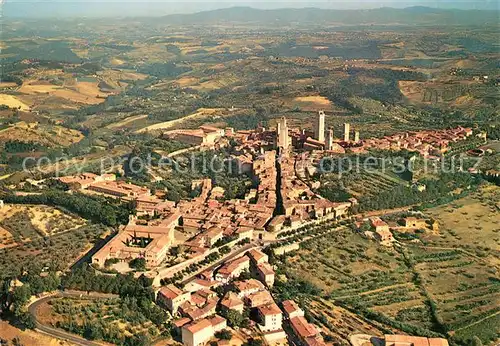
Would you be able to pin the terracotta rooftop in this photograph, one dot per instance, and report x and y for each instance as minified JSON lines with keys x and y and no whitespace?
{"x":249,"y":284}
{"x":216,"y":320}
{"x":181,"y":322}
{"x":198,"y":326}
{"x":170,"y":292}
{"x":290,"y":306}
{"x":315,"y":341}
{"x":256,"y":254}
{"x":377,"y":222}
{"x":231,"y":266}
{"x":303,"y":328}
{"x":438,"y":342}
{"x":403,"y":340}
{"x":269,"y":309}
{"x":259,"y":298}
{"x":231,"y":300}
{"x":265,"y":268}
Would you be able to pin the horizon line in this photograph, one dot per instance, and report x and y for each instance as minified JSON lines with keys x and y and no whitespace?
{"x":67,"y":5}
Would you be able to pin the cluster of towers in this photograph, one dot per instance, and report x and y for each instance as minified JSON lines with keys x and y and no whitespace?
{"x":319,"y":132}
{"x":319,"y":140}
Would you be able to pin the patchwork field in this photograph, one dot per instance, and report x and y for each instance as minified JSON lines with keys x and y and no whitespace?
{"x":465,"y":291}
{"x":45,"y":135}
{"x":313,"y":103}
{"x":472,"y":223}
{"x":457,"y":94}
{"x":348,"y":265}
{"x":422,"y":289}
{"x":58,"y":251}
{"x":200,"y":114}
{"x":13,"y":102}
{"x":4,"y":85}
{"x":207,"y":84}
{"x":24,"y":222}
{"x":340,"y":323}
{"x":78,"y":92}
{"x":127,"y":121}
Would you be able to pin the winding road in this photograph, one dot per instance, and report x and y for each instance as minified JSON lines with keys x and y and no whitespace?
{"x":58,"y":333}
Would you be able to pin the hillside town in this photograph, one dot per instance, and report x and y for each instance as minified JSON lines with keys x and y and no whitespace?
{"x":279,"y":160}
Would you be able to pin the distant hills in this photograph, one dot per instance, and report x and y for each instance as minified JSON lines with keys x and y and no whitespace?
{"x":417,"y":15}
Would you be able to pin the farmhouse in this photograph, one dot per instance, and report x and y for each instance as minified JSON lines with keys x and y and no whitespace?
{"x":233,"y":269}
{"x":266,"y":273}
{"x":302,"y":328}
{"x":413,"y":222}
{"x":378,"y":224}
{"x":384,"y":235}
{"x":247,"y":287}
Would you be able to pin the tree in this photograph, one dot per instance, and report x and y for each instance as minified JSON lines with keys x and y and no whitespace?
{"x":224,"y":335}
{"x":93,"y":331}
{"x":20,"y":297}
{"x":234,"y":318}
{"x":253,"y":342}
{"x":27,"y":320}
{"x":4,"y":295}
{"x":138,"y":263}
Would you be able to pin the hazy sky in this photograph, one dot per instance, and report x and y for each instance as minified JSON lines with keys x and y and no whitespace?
{"x":100,"y":8}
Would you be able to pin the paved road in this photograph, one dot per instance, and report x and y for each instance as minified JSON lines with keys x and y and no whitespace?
{"x":58,"y":333}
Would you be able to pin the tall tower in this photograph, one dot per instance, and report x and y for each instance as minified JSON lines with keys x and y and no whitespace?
{"x":319,"y":127}
{"x":329,"y":141}
{"x":347,"y":129}
{"x":283,"y":140}
{"x":356,"y":137}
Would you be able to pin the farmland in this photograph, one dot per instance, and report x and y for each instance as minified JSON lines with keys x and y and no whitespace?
{"x":118,"y":319}
{"x":428,"y":289}
{"x":12,"y":102}
{"x":28,"y":337}
{"x":57,"y":252}
{"x":29,"y":222}
{"x":46,"y":135}
{"x":472,"y":222}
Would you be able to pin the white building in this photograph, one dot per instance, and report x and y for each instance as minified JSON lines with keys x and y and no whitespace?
{"x":270,"y":317}
{"x":197,"y":333}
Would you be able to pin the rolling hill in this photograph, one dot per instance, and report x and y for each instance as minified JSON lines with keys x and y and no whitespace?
{"x":417,"y":15}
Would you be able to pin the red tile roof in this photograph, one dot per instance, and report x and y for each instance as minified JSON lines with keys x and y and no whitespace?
{"x":289,"y":306}
{"x":302,"y":328}
{"x":170,"y":292}
{"x":198,"y":326}
{"x":231,"y":300}
{"x":269,"y":309}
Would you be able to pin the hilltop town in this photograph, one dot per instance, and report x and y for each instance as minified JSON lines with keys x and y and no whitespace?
{"x":222,"y":278}
{"x":282,"y":201}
